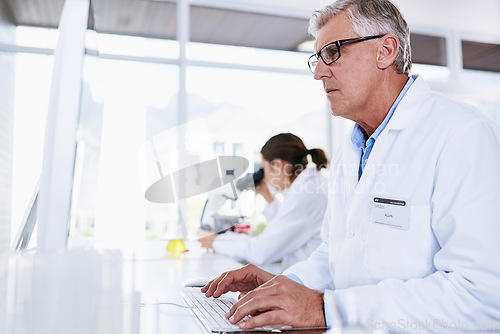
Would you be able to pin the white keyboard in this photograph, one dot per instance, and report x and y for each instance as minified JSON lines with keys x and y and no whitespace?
{"x":210,"y":311}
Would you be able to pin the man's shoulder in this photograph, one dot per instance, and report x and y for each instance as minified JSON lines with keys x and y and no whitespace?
{"x":438,"y":110}
{"x":440,"y":121}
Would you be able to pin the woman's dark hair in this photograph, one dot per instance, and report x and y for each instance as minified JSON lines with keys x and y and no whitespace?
{"x":291,"y":148}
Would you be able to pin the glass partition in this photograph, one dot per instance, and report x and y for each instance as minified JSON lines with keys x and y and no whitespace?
{"x":123,"y":104}
{"x":32,"y":91}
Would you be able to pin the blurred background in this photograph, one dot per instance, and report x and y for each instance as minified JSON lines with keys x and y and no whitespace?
{"x":151,"y":68}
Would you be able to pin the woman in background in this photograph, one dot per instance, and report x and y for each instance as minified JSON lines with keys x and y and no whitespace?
{"x":293,"y":229}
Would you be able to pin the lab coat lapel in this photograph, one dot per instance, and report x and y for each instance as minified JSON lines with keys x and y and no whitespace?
{"x":350,"y":167}
{"x":404,"y":115}
{"x":362,"y":197}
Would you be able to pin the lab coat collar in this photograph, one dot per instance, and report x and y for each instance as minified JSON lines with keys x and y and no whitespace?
{"x":307,"y":173}
{"x":410,"y":104}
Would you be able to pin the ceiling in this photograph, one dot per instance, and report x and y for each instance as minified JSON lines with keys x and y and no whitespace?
{"x":236,"y":22}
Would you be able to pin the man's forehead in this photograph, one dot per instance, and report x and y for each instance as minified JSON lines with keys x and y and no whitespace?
{"x":338,"y":27}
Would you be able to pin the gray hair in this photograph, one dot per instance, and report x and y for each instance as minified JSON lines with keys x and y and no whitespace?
{"x":370,"y":17}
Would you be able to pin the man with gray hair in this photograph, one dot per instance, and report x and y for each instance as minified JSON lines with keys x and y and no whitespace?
{"x":410,"y":237}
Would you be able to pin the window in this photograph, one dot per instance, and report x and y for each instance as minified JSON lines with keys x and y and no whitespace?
{"x":481,"y":56}
{"x":139,"y":101}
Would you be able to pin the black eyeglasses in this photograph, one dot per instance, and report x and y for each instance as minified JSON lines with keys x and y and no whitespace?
{"x":330,"y":53}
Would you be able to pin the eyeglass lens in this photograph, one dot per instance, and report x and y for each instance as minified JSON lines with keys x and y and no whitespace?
{"x":329,"y":54}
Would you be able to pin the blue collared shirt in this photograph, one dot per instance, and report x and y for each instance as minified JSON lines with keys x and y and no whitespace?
{"x":358,"y":137}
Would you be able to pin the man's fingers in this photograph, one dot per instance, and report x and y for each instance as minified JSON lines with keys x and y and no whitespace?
{"x":207,"y":286}
{"x":222,"y":283}
{"x":254,"y":306}
{"x":271,"y":317}
{"x":244,"y":298}
{"x":211,"y":288}
{"x":254,"y":302}
{"x":229,"y":281}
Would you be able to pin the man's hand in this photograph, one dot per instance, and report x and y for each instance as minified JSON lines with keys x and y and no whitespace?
{"x":242,"y":280}
{"x":279,"y":301}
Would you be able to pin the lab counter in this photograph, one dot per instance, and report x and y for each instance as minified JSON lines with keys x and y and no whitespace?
{"x":105,"y":291}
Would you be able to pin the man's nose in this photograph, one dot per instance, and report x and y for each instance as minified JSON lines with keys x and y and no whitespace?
{"x":321,"y":70}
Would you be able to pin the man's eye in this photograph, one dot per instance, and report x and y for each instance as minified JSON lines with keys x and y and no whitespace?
{"x":329,"y":53}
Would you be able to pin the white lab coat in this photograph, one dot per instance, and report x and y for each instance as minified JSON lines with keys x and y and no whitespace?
{"x":293,"y":230}
{"x":443,"y":159}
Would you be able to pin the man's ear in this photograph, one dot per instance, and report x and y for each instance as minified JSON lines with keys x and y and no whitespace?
{"x":387,"y":51}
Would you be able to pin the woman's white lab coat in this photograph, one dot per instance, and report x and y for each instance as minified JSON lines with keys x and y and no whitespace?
{"x":440,"y":256}
{"x":293,"y":229}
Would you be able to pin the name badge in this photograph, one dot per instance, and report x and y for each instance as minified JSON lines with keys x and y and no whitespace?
{"x":391,"y":212}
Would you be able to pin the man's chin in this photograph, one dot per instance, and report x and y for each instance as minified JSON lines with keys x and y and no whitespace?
{"x":336,"y":112}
